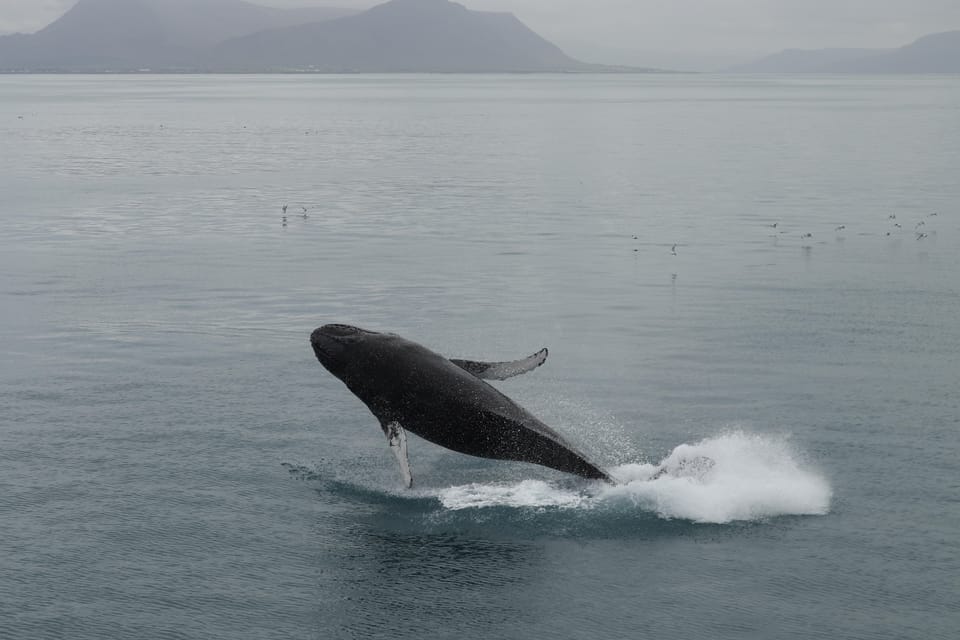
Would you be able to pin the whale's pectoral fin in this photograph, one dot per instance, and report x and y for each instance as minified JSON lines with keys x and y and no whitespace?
{"x":502,"y":370}
{"x":397,"y":438}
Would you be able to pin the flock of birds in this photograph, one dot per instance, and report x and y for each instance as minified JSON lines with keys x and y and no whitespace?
{"x":673,"y":249}
{"x":919,"y":229}
{"x":283,"y":218}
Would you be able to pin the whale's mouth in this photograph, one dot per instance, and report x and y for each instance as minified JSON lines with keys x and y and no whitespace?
{"x":330,"y":341}
{"x":340,"y":330}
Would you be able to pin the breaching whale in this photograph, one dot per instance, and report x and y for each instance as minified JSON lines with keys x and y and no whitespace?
{"x":446,"y":401}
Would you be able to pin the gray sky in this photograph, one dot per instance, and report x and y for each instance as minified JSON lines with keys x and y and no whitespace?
{"x":638,"y":31}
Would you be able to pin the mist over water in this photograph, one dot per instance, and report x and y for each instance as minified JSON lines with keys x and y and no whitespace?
{"x":750,"y":283}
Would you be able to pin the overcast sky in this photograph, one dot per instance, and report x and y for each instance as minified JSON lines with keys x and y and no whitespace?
{"x":698,"y":28}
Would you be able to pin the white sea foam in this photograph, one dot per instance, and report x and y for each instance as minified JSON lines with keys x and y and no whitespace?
{"x":528,"y":493}
{"x":751,"y":477}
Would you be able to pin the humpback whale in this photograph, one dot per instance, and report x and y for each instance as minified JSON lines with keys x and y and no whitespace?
{"x":446,"y":401}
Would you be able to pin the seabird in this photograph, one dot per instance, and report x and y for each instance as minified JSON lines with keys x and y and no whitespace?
{"x":674,"y":250}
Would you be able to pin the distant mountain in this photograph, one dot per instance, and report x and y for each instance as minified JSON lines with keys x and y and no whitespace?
{"x":123,"y":35}
{"x":233,"y":35}
{"x":805,"y":60}
{"x":936,"y":53}
{"x":200,"y":23}
{"x":93,"y":34}
{"x":401,"y":35}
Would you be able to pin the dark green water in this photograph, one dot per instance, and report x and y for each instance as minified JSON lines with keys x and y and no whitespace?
{"x":174,"y":463}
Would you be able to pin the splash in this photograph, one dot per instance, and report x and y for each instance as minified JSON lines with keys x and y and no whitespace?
{"x":529,"y":493}
{"x":735,"y":476}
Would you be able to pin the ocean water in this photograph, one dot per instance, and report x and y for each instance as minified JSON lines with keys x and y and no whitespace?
{"x":175,"y":463}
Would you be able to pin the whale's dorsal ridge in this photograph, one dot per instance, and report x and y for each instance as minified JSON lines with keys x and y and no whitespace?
{"x":502,"y":370}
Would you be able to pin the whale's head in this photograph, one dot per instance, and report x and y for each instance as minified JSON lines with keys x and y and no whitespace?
{"x":336,"y":344}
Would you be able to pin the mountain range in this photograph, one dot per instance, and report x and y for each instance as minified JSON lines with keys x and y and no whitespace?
{"x":402,"y":35}
{"x":935,"y":53}
{"x":237,"y":36}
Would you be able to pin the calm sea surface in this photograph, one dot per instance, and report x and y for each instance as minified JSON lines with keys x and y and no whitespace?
{"x":175,"y":463}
